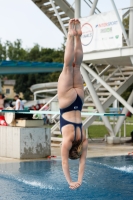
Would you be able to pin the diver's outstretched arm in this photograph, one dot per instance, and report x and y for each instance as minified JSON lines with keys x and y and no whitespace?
{"x":66,"y":146}
{"x":82,"y":161}
{"x":81,"y":166}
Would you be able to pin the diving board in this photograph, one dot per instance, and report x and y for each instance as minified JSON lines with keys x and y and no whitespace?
{"x":24,"y":67}
{"x":57,"y":113}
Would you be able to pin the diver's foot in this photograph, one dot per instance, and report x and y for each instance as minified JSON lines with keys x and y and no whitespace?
{"x":78,"y":27}
{"x":71,"y":29}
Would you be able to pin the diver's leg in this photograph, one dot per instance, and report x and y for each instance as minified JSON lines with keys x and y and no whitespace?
{"x":78,"y":57}
{"x":66,"y":93}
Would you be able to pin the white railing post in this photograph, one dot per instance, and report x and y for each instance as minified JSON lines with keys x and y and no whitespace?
{"x":124,"y":128}
{"x":34,"y":97}
{"x":120,"y":133}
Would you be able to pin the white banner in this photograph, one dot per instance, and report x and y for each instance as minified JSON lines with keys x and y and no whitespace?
{"x":101,"y":31}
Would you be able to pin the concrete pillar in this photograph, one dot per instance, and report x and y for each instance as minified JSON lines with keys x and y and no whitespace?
{"x":25,"y":143}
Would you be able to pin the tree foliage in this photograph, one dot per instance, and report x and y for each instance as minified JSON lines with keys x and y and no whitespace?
{"x":15,"y":51}
{"x":126,"y":23}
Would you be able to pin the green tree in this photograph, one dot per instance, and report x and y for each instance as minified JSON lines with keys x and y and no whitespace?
{"x":15,"y":50}
{"x":3,"y":53}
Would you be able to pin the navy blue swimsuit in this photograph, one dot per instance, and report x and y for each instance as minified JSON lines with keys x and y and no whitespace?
{"x":76,"y":105}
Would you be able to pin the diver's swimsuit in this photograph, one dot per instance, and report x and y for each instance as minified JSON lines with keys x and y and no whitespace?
{"x":76,"y":105}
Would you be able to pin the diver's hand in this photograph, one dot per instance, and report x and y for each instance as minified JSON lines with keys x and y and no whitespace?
{"x":74,"y":185}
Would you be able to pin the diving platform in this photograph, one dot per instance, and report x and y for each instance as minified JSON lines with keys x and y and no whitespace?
{"x":117,"y":57}
{"x":110,"y":58}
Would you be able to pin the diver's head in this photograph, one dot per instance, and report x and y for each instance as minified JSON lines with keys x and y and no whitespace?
{"x":76,"y":150}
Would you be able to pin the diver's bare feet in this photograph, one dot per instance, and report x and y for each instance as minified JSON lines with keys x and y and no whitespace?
{"x":71,"y":29}
{"x":78,"y":27}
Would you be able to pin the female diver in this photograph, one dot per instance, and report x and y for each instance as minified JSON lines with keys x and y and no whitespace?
{"x":71,"y":95}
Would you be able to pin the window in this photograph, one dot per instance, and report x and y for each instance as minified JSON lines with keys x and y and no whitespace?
{"x":7,"y":91}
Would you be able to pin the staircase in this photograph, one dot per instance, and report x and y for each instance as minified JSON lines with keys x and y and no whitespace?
{"x":64,"y":9}
{"x":119,"y":79}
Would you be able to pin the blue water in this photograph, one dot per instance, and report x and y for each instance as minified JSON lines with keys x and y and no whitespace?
{"x":106,"y":178}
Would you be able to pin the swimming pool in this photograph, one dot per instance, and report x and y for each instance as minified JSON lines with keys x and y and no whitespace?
{"x":106,"y":178}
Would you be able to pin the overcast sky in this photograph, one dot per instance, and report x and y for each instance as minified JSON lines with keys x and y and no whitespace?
{"x":21,"y":19}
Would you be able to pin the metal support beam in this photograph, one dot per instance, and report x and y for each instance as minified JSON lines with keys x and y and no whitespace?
{"x":77,"y":8}
{"x":121,"y":119}
{"x":114,"y":93}
{"x":120,"y":22}
{"x":131,"y":27}
{"x":59,"y":18}
{"x":49,"y":102}
{"x":96,"y":100}
{"x":100,"y":74}
{"x":104,"y":80}
{"x":131,"y":23}
{"x":92,"y":11}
